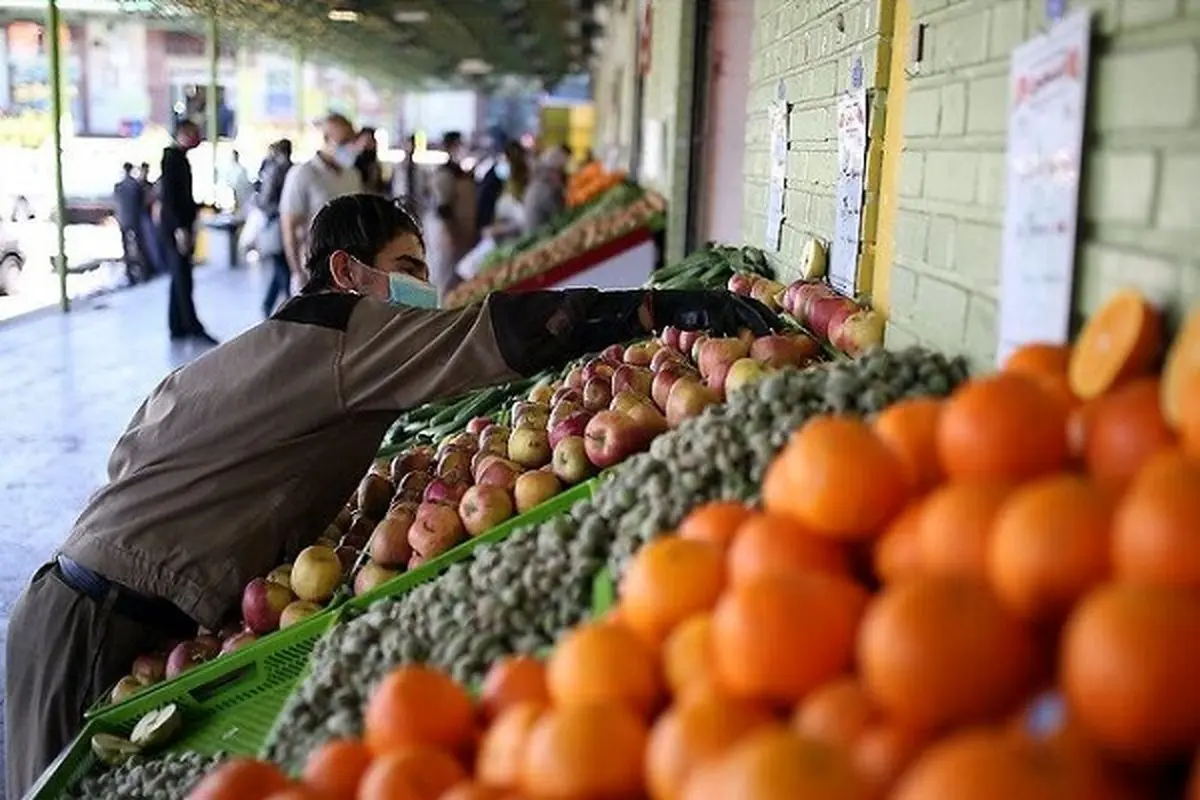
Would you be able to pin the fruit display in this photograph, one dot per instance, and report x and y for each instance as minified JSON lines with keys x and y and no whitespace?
{"x":617,"y":213}
{"x":711,"y":268}
{"x":518,"y":595}
{"x":591,"y":181}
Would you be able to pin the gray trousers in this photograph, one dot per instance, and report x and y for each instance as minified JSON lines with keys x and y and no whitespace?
{"x":64,"y":651}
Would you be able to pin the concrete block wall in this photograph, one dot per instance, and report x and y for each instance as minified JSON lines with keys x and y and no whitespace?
{"x":811,"y":46}
{"x":614,"y":85}
{"x":1140,"y":205}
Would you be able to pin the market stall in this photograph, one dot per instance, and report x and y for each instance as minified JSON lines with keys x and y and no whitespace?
{"x":521,"y":553}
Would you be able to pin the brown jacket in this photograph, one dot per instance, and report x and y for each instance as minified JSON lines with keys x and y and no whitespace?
{"x":242,"y":457}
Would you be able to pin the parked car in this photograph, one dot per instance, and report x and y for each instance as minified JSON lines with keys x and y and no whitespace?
{"x":12,"y":263}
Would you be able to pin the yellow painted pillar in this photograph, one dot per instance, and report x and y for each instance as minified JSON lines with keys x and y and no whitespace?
{"x":893,"y":146}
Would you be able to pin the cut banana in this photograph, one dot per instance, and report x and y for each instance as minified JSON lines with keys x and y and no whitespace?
{"x":158,"y":727}
{"x":113,"y":750}
{"x":812,"y":260}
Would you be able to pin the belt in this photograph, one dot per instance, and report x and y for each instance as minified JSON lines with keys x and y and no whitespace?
{"x":152,"y":611}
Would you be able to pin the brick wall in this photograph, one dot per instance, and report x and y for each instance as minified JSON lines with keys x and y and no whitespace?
{"x":613,"y":84}
{"x":1140,"y":207}
{"x":811,"y":45}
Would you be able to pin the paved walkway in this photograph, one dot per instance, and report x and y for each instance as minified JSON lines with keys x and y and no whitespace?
{"x":68,"y":386}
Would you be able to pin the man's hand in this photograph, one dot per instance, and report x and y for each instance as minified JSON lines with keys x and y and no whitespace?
{"x":183,"y":241}
{"x":720,"y":311}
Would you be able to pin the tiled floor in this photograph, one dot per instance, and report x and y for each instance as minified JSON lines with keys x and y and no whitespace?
{"x":68,"y":385}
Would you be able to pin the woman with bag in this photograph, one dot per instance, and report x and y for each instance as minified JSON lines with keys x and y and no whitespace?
{"x":269,"y":241}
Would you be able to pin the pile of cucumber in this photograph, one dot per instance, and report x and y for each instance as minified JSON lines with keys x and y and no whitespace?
{"x":711,"y":268}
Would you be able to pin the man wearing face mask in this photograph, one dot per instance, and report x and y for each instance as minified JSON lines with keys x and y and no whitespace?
{"x":309,"y":186}
{"x":242,"y":457}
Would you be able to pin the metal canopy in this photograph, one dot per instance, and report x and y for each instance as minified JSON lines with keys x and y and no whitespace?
{"x":422,"y":42}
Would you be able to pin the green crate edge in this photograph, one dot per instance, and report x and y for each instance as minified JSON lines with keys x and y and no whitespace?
{"x":228,"y":704}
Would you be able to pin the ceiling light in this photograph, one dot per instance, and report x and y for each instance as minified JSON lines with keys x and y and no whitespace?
{"x":411,"y":17}
{"x":474,"y":66}
{"x":343,"y":15}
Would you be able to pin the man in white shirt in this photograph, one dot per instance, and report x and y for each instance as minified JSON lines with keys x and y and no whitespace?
{"x":309,"y":186}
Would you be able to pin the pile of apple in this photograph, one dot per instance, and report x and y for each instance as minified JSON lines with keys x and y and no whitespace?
{"x":839,"y":320}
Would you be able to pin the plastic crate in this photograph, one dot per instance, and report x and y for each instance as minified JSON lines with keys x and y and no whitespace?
{"x":228,"y":704}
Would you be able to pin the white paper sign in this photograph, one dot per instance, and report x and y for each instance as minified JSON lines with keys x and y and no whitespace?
{"x":653,"y":150}
{"x":848,"y":194}
{"x":1047,"y":93}
{"x":778,"y":113}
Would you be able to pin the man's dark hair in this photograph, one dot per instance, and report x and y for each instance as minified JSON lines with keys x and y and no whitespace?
{"x":145,"y":166}
{"x":362,"y":225}
{"x":452,"y":139}
{"x":334,"y":117}
{"x":127,"y":168}
{"x":284,"y":147}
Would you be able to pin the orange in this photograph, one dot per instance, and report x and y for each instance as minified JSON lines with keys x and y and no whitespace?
{"x":772,"y":544}
{"x":585,"y":751}
{"x":411,"y":773}
{"x":1124,"y":430}
{"x":693,"y":733}
{"x":776,"y":639}
{"x":897,"y":553}
{"x":1121,"y":341}
{"x":604,"y":663}
{"x":510,"y":680}
{"x":669,"y":580}
{"x":987,"y":765}
{"x":1193,"y":787}
{"x":956,"y":527}
{"x":336,"y":768}
{"x":1128,"y":666}
{"x":776,"y":764}
{"x":884,"y":751}
{"x":502,"y":750}
{"x":1050,"y":545}
{"x":295,"y":793}
{"x":1003,"y":427}
{"x":909,"y":428}
{"x":714,"y":522}
{"x":418,"y":705}
{"x":1038,"y":359}
{"x":687,"y":656}
{"x":836,"y":713}
{"x":1180,"y":368}
{"x":240,"y":779}
{"x":1156,"y":528}
{"x":837,"y":478}
{"x":475,"y":791}
{"x":937,"y":651}
{"x":1189,"y":415}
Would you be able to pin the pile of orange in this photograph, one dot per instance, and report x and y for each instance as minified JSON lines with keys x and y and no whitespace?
{"x":591,"y":181}
{"x":994,"y":595}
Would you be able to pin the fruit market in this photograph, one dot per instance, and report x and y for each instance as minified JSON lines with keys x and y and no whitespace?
{"x":818,"y":418}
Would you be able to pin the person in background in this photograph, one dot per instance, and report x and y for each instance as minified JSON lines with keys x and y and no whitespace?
{"x":237,"y":179}
{"x":269,"y":241}
{"x":490,"y":183}
{"x":176,"y":225}
{"x":406,"y":180}
{"x":509,"y":220}
{"x":309,"y":186}
{"x":129,"y":200}
{"x":450,"y":231}
{"x":155,"y":260}
{"x":546,"y":197}
{"x":370,"y":170}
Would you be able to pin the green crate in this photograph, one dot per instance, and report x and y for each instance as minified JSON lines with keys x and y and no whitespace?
{"x":556,"y":505}
{"x":228,"y":704}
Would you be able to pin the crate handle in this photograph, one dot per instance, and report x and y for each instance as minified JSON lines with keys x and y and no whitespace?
{"x":206,"y":690}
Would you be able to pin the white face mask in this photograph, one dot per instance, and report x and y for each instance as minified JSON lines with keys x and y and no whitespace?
{"x":503,"y":170}
{"x":345,"y":155}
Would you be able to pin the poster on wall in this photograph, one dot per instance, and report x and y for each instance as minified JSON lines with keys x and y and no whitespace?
{"x":778,"y":114}
{"x":848,"y":192}
{"x":1047,"y":94}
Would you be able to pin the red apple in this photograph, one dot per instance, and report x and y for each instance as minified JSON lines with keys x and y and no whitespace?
{"x":697,"y":346}
{"x":374,"y":494}
{"x":742,"y":373}
{"x":499,"y":473}
{"x":534,"y":488}
{"x":483,"y":508}
{"x":828,"y":313}
{"x":454,"y":467}
{"x":459,"y":441}
{"x":611,"y":437}
{"x":566,"y":393}
{"x":687,"y":399}
{"x":478,"y":425}
{"x":529,"y":447}
{"x":389,"y":543}
{"x":149,"y":668}
{"x":665,"y":378}
{"x":436,"y":529}
{"x":858,"y":333}
{"x":666,"y":356}
{"x":572,"y":425}
{"x":792,"y":295}
{"x":597,"y":369}
{"x":612,"y":354}
{"x":640,"y":354}
{"x":441,"y":491}
{"x":238,"y":641}
{"x":262,"y":603}
{"x":648,"y":418}
{"x":670,"y":337}
{"x":687,"y":340}
{"x":597,"y":394}
{"x":722,"y":352}
{"x":635,"y":379}
{"x":626,"y":400}
{"x":494,"y":430}
{"x":794,"y":350}
{"x":574,"y":379}
{"x":742,"y":283}
{"x":411,"y":487}
{"x":187,"y":655}
{"x":416,"y":459}
{"x":807,"y":299}
{"x":570,"y":461}
{"x":562,"y":410}
{"x":370,"y":576}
